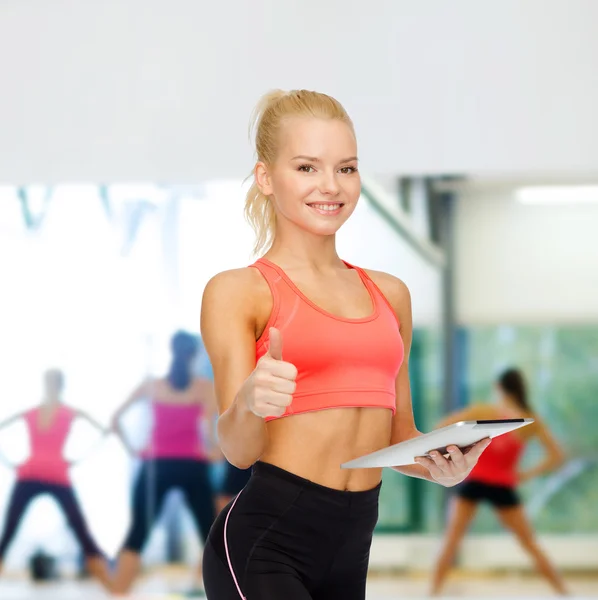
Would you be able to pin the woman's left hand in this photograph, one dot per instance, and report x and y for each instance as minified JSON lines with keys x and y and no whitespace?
{"x":7,"y":463}
{"x":454,"y":469}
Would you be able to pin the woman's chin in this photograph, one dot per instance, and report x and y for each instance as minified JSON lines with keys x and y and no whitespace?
{"x":324,"y":226}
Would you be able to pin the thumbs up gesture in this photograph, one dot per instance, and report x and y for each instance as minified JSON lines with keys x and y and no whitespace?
{"x":269,"y":389}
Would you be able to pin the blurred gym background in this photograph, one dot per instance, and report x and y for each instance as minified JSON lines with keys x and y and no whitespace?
{"x":123,"y":149}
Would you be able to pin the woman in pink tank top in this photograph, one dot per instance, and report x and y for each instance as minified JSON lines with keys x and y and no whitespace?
{"x":178,"y":455}
{"x":46,"y":471}
{"x":495,"y":477}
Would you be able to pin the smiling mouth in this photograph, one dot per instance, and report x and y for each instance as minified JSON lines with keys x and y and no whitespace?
{"x":326,"y":208}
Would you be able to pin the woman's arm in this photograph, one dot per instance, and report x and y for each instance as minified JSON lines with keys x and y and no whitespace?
{"x":11,"y":420}
{"x":438,"y":469}
{"x":141,"y":391}
{"x":209,"y":418}
{"x":555,"y":454}
{"x":473,"y":412}
{"x":6,"y":423}
{"x":86,"y":417}
{"x":97,"y":425}
{"x":228,"y":330}
{"x":403,"y":424}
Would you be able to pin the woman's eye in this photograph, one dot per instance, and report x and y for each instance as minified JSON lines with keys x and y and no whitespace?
{"x":306,"y":168}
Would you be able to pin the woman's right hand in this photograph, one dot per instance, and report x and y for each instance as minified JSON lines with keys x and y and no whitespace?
{"x":120,"y":434}
{"x":269,"y":390}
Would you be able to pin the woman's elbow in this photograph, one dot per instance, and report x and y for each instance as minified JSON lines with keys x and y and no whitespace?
{"x":237,"y":455}
{"x":559,"y":459}
{"x":555,"y":460}
{"x":236,"y":459}
{"x":242,"y":464}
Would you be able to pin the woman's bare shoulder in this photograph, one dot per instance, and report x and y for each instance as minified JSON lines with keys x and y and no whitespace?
{"x":236,"y":285}
{"x":236,"y":298}
{"x":485,"y":411}
{"x":395,"y":290}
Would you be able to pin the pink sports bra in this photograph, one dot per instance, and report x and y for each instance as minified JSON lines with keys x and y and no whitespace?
{"x":340,"y":362}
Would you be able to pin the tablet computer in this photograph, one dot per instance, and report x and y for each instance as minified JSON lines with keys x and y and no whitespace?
{"x":462,"y":434}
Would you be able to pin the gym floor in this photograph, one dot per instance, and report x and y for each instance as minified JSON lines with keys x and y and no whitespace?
{"x":172,"y":585}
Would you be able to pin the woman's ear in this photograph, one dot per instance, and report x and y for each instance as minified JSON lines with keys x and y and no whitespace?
{"x":263,"y":179}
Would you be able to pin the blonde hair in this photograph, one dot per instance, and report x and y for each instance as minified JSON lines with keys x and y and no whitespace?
{"x":266,"y":121}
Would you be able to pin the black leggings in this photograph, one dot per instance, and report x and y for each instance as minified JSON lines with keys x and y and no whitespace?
{"x":291,"y":539}
{"x":156,"y":478}
{"x":25,"y":491}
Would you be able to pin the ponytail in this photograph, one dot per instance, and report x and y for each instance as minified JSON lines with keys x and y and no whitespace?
{"x":512,"y":382}
{"x":184,"y":348}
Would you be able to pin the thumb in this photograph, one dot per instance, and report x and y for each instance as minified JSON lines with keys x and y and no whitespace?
{"x":275,"y":350}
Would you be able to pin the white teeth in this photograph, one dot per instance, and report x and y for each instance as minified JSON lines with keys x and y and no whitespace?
{"x":329,"y":207}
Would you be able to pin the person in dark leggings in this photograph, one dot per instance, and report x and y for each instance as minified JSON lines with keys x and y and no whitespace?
{"x":495,"y":478}
{"x":337,"y":388}
{"x":178,"y":455}
{"x":233,"y":482}
{"x":233,"y":479}
{"x":46,"y":471}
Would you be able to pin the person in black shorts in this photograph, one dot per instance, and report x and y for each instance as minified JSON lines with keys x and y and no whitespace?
{"x":496,"y":475}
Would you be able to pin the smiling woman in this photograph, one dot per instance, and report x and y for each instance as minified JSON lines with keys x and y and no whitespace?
{"x":337,"y":388}
{"x":324,"y":117}
{"x":325,"y":182}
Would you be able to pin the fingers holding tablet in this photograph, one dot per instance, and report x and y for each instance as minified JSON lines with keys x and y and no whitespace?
{"x":452,"y":468}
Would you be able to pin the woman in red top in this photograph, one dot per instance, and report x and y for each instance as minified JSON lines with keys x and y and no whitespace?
{"x":495,"y":477}
{"x":310,"y":358}
{"x":46,"y":471}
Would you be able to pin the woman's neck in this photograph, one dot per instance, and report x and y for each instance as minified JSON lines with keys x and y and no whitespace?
{"x":51,"y":401}
{"x":314,"y":252}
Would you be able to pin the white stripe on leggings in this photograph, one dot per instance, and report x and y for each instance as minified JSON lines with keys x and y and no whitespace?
{"x":230,"y":566}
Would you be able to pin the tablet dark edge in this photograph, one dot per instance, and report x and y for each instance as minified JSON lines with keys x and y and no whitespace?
{"x":498,"y":421}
